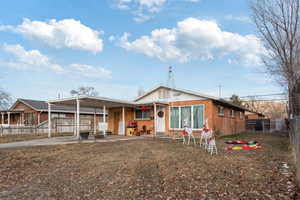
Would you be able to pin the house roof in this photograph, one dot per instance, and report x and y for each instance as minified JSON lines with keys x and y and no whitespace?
{"x":216,"y":99}
{"x":43,"y":106}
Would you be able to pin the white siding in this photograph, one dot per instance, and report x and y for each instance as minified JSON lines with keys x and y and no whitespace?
{"x":167,"y":95}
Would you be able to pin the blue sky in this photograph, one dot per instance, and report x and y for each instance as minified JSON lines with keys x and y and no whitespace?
{"x":54,"y":46}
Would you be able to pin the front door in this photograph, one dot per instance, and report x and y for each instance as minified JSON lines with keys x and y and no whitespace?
{"x":160,"y":120}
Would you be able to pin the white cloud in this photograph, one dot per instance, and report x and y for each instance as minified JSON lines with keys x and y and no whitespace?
{"x":67,"y":33}
{"x":111,"y":38}
{"x":90,"y":71}
{"x":194,"y":39}
{"x":5,"y":27}
{"x":142,"y":10}
{"x":29,"y":59}
{"x":245,"y":19}
{"x":34,"y":60}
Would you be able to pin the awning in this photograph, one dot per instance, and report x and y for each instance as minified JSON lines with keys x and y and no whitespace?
{"x":93,"y":102}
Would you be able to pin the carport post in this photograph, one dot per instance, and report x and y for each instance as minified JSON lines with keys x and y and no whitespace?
{"x":95,"y":123}
{"x":123,"y":120}
{"x":154,"y":105}
{"x":104,"y":120}
{"x":78,"y":118}
{"x":49,"y":120}
{"x":74,"y":127}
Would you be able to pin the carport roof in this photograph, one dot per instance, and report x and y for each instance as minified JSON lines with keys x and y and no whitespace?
{"x":96,"y":102}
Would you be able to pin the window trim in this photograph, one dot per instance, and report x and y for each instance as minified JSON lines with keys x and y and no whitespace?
{"x":140,"y":119}
{"x":221,"y":114}
{"x":232,"y":113}
{"x":192,"y":117}
{"x":242,"y":115}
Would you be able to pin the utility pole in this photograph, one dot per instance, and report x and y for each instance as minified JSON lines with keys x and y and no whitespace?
{"x":171,"y":79}
{"x":220,"y":89}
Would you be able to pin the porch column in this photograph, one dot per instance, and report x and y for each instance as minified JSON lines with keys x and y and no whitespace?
{"x":49,"y":120}
{"x":23,"y":119}
{"x":104,"y":120}
{"x":123,"y":121}
{"x":39,"y":117}
{"x":74,"y":124}
{"x":78,"y":118}
{"x":2,"y":118}
{"x":155,"y":117}
{"x":8,"y":120}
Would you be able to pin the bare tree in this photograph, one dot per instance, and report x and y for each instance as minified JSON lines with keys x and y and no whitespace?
{"x":5,"y":99}
{"x":236,"y":99}
{"x":278,"y":24}
{"x":84,"y":91}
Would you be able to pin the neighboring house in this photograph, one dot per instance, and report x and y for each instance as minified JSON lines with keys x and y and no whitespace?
{"x":166,"y":110}
{"x":26,"y":112}
{"x":254,"y":115}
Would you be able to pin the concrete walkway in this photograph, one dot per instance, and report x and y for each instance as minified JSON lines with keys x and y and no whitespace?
{"x":64,"y":140}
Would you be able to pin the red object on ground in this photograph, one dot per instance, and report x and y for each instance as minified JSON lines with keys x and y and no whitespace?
{"x":236,"y":142}
{"x":245,"y":147}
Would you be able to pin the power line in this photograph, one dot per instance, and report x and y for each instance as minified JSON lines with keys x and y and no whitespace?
{"x":264,"y":95}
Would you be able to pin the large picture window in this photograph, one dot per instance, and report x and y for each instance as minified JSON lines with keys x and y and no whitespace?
{"x":190,"y":116}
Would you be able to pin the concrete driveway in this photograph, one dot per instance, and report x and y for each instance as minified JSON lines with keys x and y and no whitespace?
{"x":64,"y":140}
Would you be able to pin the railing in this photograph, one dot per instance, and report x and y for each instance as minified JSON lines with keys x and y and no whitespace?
{"x":59,"y":125}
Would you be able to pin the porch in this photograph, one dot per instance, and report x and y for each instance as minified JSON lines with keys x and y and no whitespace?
{"x":12,"y":118}
{"x":123,"y":118}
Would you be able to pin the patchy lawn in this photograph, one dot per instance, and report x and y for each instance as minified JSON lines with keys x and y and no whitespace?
{"x":24,"y":137}
{"x":147,"y":169}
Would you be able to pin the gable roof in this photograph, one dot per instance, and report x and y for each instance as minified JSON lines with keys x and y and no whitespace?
{"x":216,"y":99}
{"x":42,"y":106}
{"x":175,"y":89}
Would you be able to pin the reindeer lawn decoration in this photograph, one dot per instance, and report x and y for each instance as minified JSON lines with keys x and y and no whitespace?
{"x":188,"y":132}
{"x":207,"y":139}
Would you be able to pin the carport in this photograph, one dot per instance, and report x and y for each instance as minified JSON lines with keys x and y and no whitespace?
{"x":92,"y":102}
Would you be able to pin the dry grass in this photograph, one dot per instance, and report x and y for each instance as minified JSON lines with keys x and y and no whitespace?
{"x":147,"y":169}
{"x":24,"y":137}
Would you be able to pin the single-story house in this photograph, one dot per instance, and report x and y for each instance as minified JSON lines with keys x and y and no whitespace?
{"x":27,"y":112}
{"x":164,"y":110}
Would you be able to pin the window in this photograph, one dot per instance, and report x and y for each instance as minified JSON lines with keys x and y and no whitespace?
{"x":241,"y":115}
{"x":29,"y":118}
{"x":198,"y":117}
{"x":186,"y":116}
{"x":232,"y":113}
{"x":221,"y":111}
{"x":190,"y":116}
{"x":58,"y":115}
{"x":175,"y":117}
{"x":142,"y":114}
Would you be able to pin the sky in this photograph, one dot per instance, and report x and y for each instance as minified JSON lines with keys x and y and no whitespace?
{"x":50,"y":47}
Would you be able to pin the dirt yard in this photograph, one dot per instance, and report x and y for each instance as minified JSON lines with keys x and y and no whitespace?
{"x":147,"y":169}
